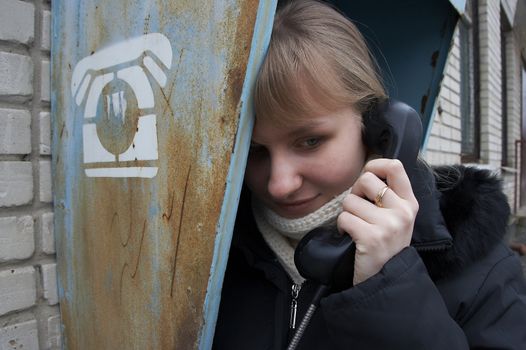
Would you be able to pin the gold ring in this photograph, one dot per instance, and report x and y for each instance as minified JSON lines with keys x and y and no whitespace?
{"x":379,"y":196}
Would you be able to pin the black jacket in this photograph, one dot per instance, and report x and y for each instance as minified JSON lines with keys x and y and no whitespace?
{"x":457,"y":287}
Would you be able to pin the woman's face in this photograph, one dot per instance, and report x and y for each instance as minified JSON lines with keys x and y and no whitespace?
{"x":297,"y":168}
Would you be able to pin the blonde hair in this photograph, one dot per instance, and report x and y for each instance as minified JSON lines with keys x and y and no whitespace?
{"x":317,"y":61}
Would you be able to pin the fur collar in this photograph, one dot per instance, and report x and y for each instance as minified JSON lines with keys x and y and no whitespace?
{"x":476,"y":214}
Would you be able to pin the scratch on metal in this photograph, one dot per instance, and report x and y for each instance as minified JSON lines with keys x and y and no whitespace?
{"x":140,"y":250}
{"x":176,"y":74}
{"x":169,"y":216}
{"x":124,"y":267}
{"x":179,"y":230}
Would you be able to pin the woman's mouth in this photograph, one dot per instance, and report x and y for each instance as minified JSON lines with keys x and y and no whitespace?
{"x":297,"y":208}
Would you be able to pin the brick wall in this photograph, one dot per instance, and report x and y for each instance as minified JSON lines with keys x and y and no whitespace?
{"x":29,"y":312}
{"x":444,"y":143}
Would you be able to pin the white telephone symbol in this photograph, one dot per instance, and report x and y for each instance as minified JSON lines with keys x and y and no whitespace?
{"x":122,"y":129}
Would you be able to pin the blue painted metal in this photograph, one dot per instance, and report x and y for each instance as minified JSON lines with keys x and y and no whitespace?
{"x":152,"y":120}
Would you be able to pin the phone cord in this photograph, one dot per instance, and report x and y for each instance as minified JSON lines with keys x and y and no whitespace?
{"x":320,"y":292}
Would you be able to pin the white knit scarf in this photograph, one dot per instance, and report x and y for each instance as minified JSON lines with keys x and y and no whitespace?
{"x":276,"y":229}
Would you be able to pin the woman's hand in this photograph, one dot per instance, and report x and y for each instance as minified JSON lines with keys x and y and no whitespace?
{"x":378,"y":232}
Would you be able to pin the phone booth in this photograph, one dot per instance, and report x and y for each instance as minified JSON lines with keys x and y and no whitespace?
{"x":151,"y":102}
{"x":152,"y":118}
{"x":410,"y":41}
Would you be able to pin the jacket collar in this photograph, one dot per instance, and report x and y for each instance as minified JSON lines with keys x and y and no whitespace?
{"x":430,"y":231}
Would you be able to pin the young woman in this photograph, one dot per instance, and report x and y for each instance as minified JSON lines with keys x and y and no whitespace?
{"x":438,"y":279}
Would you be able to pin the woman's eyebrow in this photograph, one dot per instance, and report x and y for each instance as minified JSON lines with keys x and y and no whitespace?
{"x":307,"y":128}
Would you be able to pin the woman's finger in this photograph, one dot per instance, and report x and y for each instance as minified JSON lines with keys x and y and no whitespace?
{"x":370,"y":186}
{"x":362,"y":208}
{"x":392,"y":170}
{"x":353,"y":225}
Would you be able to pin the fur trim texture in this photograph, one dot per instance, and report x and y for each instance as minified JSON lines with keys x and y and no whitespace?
{"x":476,"y":213}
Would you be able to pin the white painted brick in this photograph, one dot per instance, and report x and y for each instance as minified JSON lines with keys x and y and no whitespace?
{"x":16,"y":75}
{"x":46,"y":81}
{"x":456,"y":135}
{"x":456,"y":123}
{"x":447,"y":118}
{"x":45,"y":181}
{"x":16,"y":183}
{"x":46,"y":30}
{"x":432,"y":143}
{"x":48,"y":237}
{"x":455,"y":99}
{"x":17,"y":289}
{"x":49,"y":281}
{"x":16,"y":238}
{"x":22,"y":336}
{"x":54,"y":335}
{"x":456,"y":112}
{"x":45,"y":133}
{"x":15,"y":131}
{"x":455,"y":83}
{"x":17,"y":22}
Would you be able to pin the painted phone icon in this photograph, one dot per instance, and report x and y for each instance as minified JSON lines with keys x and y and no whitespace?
{"x":119,"y":132}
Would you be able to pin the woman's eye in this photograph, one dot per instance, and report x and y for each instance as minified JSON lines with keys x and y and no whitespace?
{"x":311,"y":142}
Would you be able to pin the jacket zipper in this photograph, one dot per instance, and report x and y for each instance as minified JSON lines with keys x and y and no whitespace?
{"x":296,"y":288}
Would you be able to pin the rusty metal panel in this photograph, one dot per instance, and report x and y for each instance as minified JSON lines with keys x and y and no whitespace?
{"x":152,"y":120}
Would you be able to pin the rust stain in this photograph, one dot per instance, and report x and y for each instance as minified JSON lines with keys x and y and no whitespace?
{"x":140,"y":250}
{"x":218,"y":127}
{"x":243,"y":39}
{"x":174,"y":267}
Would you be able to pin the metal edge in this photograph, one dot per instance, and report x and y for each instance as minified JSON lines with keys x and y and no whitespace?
{"x":56,"y":18}
{"x":459,"y":5}
{"x":225,"y":227}
{"x":440,"y":79}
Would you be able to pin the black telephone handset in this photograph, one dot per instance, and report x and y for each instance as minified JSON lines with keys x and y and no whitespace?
{"x":393,"y":130}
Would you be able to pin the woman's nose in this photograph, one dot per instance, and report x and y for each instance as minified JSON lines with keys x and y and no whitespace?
{"x":284,"y":178}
